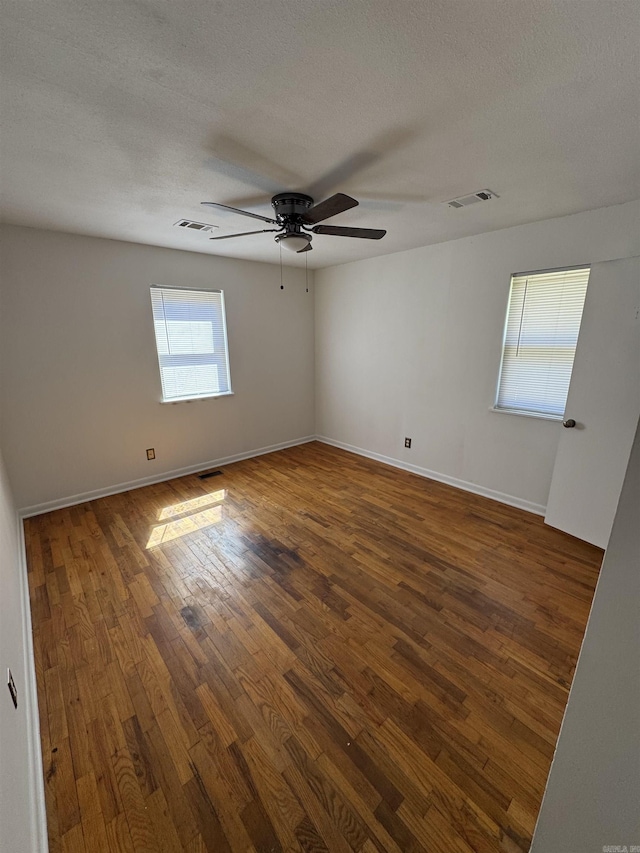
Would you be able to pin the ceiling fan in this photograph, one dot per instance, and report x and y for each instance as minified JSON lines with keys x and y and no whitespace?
{"x":296,"y":217}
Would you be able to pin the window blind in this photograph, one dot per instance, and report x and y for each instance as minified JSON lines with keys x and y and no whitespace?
{"x":541,"y":333}
{"x":191,"y":339}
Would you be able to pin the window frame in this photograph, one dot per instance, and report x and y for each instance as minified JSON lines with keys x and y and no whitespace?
{"x":222,"y":358}
{"x":527,"y":413}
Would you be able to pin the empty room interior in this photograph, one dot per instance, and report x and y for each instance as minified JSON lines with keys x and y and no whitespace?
{"x":319,"y":402}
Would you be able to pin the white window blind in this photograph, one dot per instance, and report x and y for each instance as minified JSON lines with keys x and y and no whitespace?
{"x":543,"y":322}
{"x":191,"y":338}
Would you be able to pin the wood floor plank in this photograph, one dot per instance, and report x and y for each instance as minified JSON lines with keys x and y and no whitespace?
{"x":119,"y":835}
{"x":217,"y":812}
{"x":73,"y":841}
{"x":321,"y":653}
{"x":279,"y":800}
{"x":67,"y":807}
{"x":95,"y":832}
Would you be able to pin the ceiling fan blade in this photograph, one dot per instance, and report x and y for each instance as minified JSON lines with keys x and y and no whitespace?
{"x":237,"y":210}
{"x":337,"y":231}
{"x":243,"y":234}
{"x":307,"y":248}
{"x":235,"y":159}
{"x":329,"y":207}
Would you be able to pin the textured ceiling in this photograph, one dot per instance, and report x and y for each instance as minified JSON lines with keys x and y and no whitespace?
{"x":118,"y":118}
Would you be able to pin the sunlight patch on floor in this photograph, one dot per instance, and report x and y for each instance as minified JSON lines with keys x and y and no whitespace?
{"x":189,"y":506}
{"x":191,"y":521}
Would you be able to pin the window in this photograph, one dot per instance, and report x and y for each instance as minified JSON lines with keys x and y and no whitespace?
{"x":541,"y":333}
{"x":191,"y":338}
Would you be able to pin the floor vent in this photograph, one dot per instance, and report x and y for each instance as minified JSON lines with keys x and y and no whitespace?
{"x":466,"y":200}
{"x":190,"y":225}
{"x":209,"y":474}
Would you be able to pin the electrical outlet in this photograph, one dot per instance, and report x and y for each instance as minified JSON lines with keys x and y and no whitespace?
{"x":151,"y":453}
{"x":12,"y":688}
{"x":407,"y":442}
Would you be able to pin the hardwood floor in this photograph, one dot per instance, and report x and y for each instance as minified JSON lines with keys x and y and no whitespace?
{"x":309,"y":652}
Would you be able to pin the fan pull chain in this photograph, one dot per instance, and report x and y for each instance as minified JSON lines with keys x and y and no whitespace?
{"x":281,"y":284}
{"x":306,"y":271}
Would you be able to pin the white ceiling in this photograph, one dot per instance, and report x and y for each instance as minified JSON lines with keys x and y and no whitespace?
{"x":119,"y":118}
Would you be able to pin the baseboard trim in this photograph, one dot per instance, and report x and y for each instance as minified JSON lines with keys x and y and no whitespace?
{"x":510,"y":500}
{"x":474,"y":488}
{"x":38,"y":810}
{"x":72,"y":500}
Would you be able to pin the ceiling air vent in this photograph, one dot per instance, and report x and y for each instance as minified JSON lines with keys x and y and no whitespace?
{"x":466,"y":200}
{"x":190,"y":225}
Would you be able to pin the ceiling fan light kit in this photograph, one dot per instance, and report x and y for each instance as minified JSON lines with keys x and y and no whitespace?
{"x":296,"y":217}
{"x":294,"y":242}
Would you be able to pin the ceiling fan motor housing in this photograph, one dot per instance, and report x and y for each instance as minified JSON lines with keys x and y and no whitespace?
{"x":289,"y":206}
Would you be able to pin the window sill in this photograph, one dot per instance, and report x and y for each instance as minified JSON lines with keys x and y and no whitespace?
{"x":175,"y":400}
{"x":538,"y":415}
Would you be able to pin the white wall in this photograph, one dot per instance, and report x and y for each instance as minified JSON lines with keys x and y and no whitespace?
{"x":409,"y":345}
{"x":80,"y":382}
{"x":18,"y":762}
{"x":593,"y":793}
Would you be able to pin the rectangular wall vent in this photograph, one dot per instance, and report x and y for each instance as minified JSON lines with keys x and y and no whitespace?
{"x":466,"y":200}
{"x":190,"y":225}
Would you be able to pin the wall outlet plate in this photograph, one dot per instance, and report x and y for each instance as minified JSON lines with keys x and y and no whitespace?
{"x":151,"y":453}
{"x":12,"y":688}
{"x":407,"y":442}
